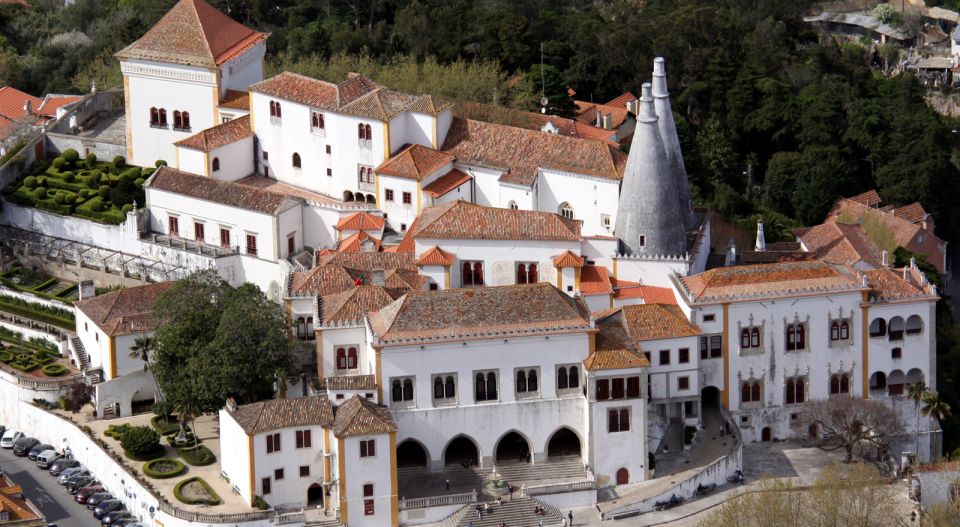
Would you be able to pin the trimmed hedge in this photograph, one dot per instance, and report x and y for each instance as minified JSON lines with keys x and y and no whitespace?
{"x":188,"y":441}
{"x":141,"y":443}
{"x":156,"y":468}
{"x":38,"y":312}
{"x":117,"y":431}
{"x":5,"y":356}
{"x":214,"y":498}
{"x":54,"y":370}
{"x":197,"y":456}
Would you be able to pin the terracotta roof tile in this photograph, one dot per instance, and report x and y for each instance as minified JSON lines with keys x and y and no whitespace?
{"x":843,"y":244}
{"x":522,"y":153}
{"x":351,"y":305}
{"x":849,"y":210}
{"x":359,"y":242}
{"x":463,"y":220}
{"x":869,"y":198}
{"x":650,"y":294}
{"x":126,"y":311}
{"x":913,"y":213}
{"x":622,"y":99}
{"x":351,"y":382}
{"x":359,"y":417}
{"x":446,"y":183}
{"x":435,"y":256}
{"x":370,"y":261}
{"x":315,"y":92}
{"x":752,"y":282}
{"x":322,"y":280}
{"x":407,"y":243}
{"x":414,"y":162}
{"x":236,"y":100}
{"x":595,"y":280}
{"x":656,"y":321}
{"x":887,"y":285}
{"x":218,"y":136}
{"x":218,"y":191}
{"x":429,"y":105}
{"x":271,"y":185}
{"x":381,"y":104}
{"x":360,"y":221}
{"x":51,"y":103}
{"x":614,"y":350}
{"x":12,"y":101}
{"x":193,"y":33}
{"x":275,"y":414}
{"x":451,"y":315}
{"x":587,"y":113}
{"x":568,"y":259}
{"x":532,"y":121}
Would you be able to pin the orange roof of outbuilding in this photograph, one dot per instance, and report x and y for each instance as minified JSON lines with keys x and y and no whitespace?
{"x":436,"y":256}
{"x":414,"y":162}
{"x":568,"y":259}
{"x":360,"y":221}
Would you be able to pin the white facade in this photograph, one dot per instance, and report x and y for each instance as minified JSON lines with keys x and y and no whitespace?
{"x":500,"y":257}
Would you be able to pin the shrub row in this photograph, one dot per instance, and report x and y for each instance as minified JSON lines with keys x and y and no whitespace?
{"x":41,"y":313}
{"x":213,"y":500}
{"x":164,"y":468}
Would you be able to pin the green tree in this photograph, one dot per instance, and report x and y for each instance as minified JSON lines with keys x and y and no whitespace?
{"x":553,"y":87}
{"x":215,"y":341}
{"x":934,"y":406}
{"x":916,"y":392}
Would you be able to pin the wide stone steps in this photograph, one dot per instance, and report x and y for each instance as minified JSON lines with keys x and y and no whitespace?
{"x":516,"y":513}
{"x":81,"y":353}
{"x":333,"y":522}
{"x":672,"y":439}
{"x":419,"y":482}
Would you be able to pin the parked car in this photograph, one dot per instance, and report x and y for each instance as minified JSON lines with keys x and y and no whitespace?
{"x":47,"y":457}
{"x":36,"y":450}
{"x":9,"y":438}
{"x":106,"y":507}
{"x":22,"y":446}
{"x":111,"y":518}
{"x":84,"y":493}
{"x":63,"y":464}
{"x":128,"y":522}
{"x":78,"y":482}
{"x":96,"y":498}
{"x":70,"y":472}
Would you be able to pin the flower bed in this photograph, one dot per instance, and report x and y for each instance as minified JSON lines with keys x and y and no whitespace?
{"x":197,"y":456}
{"x":164,"y":468}
{"x":196,"y":491}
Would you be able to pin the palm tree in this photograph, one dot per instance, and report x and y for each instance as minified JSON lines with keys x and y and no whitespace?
{"x":143,"y":347}
{"x":916,"y":391}
{"x":934,"y":406}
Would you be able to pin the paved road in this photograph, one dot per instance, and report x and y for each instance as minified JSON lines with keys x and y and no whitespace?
{"x":44,"y":491}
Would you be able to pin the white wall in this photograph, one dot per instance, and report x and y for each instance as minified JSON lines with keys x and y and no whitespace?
{"x":345,"y":337}
{"x":241,"y":72}
{"x":234,"y":455}
{"x":292,"y":489}
{"x":123,"y":237}
{"x":486,"y":187}
{"x":650,"y":271}
{"x":663,"y":378}
{"x":500,"y":256}
{"x":369,"y":470}
{"x":193,"y":161}
{"x":397,"y":212}
{"x":236,"y":160}
{"x":590,"y":198}
{"x":611,"y":451}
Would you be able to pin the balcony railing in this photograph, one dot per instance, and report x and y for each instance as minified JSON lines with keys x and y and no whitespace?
{"x":437,"y":501}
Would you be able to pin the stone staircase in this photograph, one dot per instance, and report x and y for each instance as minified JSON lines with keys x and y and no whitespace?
{"x":673,"y":439}
{"x":81,"y":352}
{"x":417,"y":482}
{"x":516,"y":513}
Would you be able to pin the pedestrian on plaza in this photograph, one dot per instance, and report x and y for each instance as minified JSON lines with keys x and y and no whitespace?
{"x":510,"y":489}
{"x":499,"y":502}
{"x":721,"y":432}
{"x":570,"y":515}
{"x":448,"y":484}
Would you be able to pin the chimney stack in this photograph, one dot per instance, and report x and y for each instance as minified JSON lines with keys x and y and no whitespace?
{"x":28,"y":108}
{"x":599,"y":119}
{"x":376,"y":278}
{"x":87,"y":289}
{"x":885,"y":258}
{"x":671,"y":143}
{"x":761,"y":244}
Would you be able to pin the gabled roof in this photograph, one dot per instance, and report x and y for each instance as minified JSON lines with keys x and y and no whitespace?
{"x":869,"y":198}
{"x":193,"y":33}
{"x":276,"y":414}
{"x":482,"y":312}
{"x":414,"y":162}
{"x":841,"y":243}
{"x":656,"y":321}
{"x":218,"y":136}
{"x":446,"y":183}
{"x":887,"y":285}
{"x":315,"y":92}
{"x":595,"y":280}
{"x":350,"y":306}
{"x":587,"y":113}
{"x":614,"y":349}
{"x":914,"y":213}
{"x":360,"y":416}
{"x":351,"y":382}
{"x":522,"y":153}
{"x":51,"y":103}
{"x":218,"y":191}
{"x":854,"y":210}
{"x":435,"y":256}
{"x":360,"y":221}
{"x":460,"y":220}
{"x":756,"y":282}
{"x":236,"y":100}
{"x":624,"y":289}
{"x":370,"y":261}
{"x":503,"y":115}
{"x":568,"y":259}
{"x":125,"y":311}
{"x":381,"y":104}
{"x":322,"y":280}
{"x":12,"y":101}
{"x":429,"y":105}
{"x":356,"y":242}
{"x":622,"y":99}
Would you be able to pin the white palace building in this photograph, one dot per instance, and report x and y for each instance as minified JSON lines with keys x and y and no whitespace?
{"x":473,"y":296}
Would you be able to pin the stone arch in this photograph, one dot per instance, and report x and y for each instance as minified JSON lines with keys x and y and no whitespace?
{"x":315,"y":495}
{"x":412,"y":453}
{"x":914,"y":325}
{"x":512,"y":447}
{"x":371,"y":199}
{"x":564,"y":441}
{"x":623,"y":476}
{"x":347,"y":195}
{"x":914,"y":375}
{"x":462,"y":449}
{"x":895,"y":382}
{"x":895,"y":328}
{"x":878,"y":381}
{"x":142,"y":400}
{"x":766,"y":434}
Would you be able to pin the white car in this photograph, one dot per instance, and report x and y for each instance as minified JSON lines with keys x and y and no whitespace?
{"x":9,"y":438}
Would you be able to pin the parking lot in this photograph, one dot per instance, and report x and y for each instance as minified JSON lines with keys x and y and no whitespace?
{"x":43,"y":490}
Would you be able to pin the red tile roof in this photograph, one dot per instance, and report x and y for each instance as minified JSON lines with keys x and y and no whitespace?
{"x":12,"y":101}
{"x":888,"y":285}
{"x":851,"y":210}
{"x":275,"y":414}
{"x":193,"y":33}
{"x":356,"y":242}
{"x":218,"y":136}
{"x":754,"y":282}
{"x":480,"y":312}
{"x":350,"y":382}
{"x":447,"y":182}
{"x":360,"y":221}
{"x":271,"y":185}
{"x":587,"y":113}
{"x":522,"y":153}
{"x":51,"y":103}
{"x":568,"y":259}
{"x":414,"y":162}
{"x":869,"y":198}
{"x":650,"y":294}
{"x":463,"y":220}
{"x":644,"y":322}
{"x":595,"y":280}
{"x":370,"y":261}
{"x":913,"y":213}
{"x":614,"y":350}
{"x":360,"y":417}
{"x":322,"y":280}
{"x":435,"y":256}
{"x":236,"y":100}
{"x":622,"y":99}
{"x":218,"y":191}
{"x":840,"y":243}
{"x":532,"y":121}
{"x":351,"y":305}
{"x":125,"y":311}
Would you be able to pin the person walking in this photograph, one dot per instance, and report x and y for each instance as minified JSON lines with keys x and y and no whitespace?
{"x":721,"y":432}
{"x":448,"y":484}
{"x":570,"y":517}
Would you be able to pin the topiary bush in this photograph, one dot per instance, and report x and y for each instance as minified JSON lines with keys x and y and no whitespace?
{"x":59,"y":198}
{"x":39,"y":193}
{"x":92,"y":181}
{"x":126,"y":208}
{"x":104,"y":191}
{"x":68,"y":176}
{"x":117,"y":431}
{"x":260,"y":504}
{"x":139,"y":181}
{"x":30,"y":182}
{"x":141,"y":443}
{"x":119,"y":162}
{"x":164,"y":468}
{"x":85,"y":193}
{"x":69,"y":199}
{"x":160,"y":163}
{"x":70,"y":155}
{"x":95,"y":204}
{"x":59,"y":162}
{"x":41,"y":181}
{"x":91,"y":160}
{"x":6,"y":356}
{"x":54,"y":370}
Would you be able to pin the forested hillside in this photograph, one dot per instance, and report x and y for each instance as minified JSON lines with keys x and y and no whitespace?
{"x":772,"y":123}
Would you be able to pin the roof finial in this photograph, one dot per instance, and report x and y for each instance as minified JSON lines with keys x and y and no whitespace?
{"x":761,"y":244}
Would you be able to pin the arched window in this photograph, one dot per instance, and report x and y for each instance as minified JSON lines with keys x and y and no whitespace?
{"x":360,"y":133}
{"x":532,"y":274}
{"x":163,"y":117}
{"x":566,"y":210}
{"x":562,"y":379}
{"x":745,"y":338}
{"x":796,"y":337}
{"x":407,"y":390}
{"x":341,"y":359}
{"x":296,"y":160}
{"x":438,"y":388}
{"x":521,"y":273}
{"x":275,"y":109}
{"x":186,"y":120}
{"x":450,"y":387}
{"x":574,"y":377}
{"x":844,"y":383}
{"x":368,"y":132}
{"x":351,"y":358}
{"x":521,"y":381}
{"x":317,"y":120}
{"x":310,"y":332}
{"x":154,"y":116}
{"x":279,"y":115}
{"x":480,"y":387}
{"x":512,"y":205}
{"x":491,"y":386}
{"x":478,"y":273}
{"x":745,"y":392}
{"x":878,"y":327}
{"x":301,"y":327}
{"x":895,"y":328}
{"x":396,"y":391}
{"x":834,"y":384}
{"x":532,"y":381}
{"x":834,"y":331}
{"x":755,"y":392}
{"x":216,"y":164}
{"x":177,"y":122}
{"x":755,"y":337}
{"x":844,"y":330}
{"x":914,"y":325}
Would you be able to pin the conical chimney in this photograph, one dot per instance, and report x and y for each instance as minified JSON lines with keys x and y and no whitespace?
{"x":671,"y":142}
{"x":648,"y":219}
